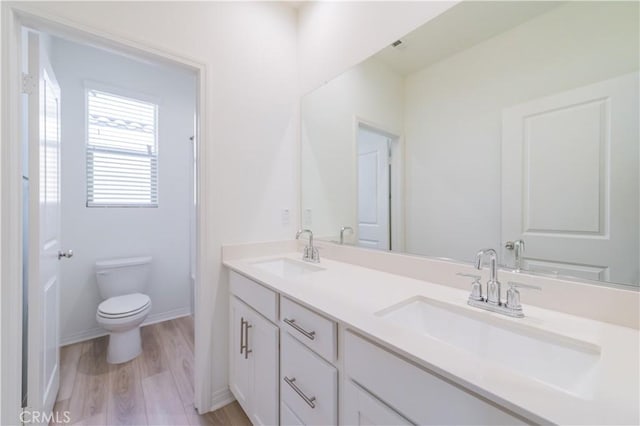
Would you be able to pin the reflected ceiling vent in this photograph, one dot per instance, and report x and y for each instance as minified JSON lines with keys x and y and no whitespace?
{"x":399,"y":44}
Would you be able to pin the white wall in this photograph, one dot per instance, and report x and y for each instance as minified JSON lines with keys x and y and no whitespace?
{"x":250,"y":168}
{"x":103,"y":233}
{"x":370,"y":91}
{"x":454,"y":116}
{"x":336,"y":35}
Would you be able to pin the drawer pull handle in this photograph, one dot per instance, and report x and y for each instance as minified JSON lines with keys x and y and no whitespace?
{"x":241,"y":335}
{"x":310,"y":401}
{"x":244,"y":337}
{"x":311,"y":335}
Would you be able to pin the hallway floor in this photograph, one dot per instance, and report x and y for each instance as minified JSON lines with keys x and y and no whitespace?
{"x":156,"y":388}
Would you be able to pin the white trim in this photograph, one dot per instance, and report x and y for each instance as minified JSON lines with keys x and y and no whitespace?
{"x":168,"y":315}
{"x":14,"y":16}
{"x":11,"y":222}
{"x":221,"y":398}
{"x":94,"y":332}
{"x":83,"y":336}
{"x":398,"y":202}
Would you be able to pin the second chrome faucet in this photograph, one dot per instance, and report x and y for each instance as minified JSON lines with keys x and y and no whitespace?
{"x":493,"y":301}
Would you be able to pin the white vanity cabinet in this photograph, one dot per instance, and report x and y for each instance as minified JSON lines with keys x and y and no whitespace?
{"x":253,"y":357}
{"x":287,"y":368}
{"x":398,"y":389}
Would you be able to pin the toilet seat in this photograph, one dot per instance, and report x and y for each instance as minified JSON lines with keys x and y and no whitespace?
{"x":123,"y":306}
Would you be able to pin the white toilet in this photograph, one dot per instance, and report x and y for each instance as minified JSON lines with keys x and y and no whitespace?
{"x":121,"y":283}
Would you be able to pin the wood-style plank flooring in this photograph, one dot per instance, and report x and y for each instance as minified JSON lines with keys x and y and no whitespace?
{"x":156,"y":388}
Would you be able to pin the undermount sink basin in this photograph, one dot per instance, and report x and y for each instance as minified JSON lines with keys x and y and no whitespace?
{"x":287,"y":268}
{"x":561,"y":362}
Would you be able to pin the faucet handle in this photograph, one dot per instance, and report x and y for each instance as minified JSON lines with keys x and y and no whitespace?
{"x":474,"y":276}
{"x":476,"y":287}
{"x":314,"y":255}
{"x":513,"y":295}
{"x":516,"y":285}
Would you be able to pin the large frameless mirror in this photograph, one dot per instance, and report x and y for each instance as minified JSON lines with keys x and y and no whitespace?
{"x":511,"y":125}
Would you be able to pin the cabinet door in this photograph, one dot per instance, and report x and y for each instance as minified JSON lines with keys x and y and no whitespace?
{"x":288,"y":417}
{"x":239,"y":365}
{"x":361,"y":408}
{"x":262,"y":343}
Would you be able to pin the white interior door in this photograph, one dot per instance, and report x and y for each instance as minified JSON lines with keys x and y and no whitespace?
{"x":570,"y":181}
{"x":44,"y":229}
{"x":373,"y":189}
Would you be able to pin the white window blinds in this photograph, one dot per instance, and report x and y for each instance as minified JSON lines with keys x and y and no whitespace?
{"x":122,"y":151}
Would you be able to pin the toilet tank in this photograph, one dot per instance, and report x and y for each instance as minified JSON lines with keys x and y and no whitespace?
{"x":117,"y":277}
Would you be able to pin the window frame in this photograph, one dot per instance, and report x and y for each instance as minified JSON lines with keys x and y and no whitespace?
{"x":133,"y":96}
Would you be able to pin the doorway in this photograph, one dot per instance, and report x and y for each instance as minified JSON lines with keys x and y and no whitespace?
{"x":41,"y":193}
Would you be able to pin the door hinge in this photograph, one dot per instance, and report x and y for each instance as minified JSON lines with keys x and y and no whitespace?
{"x":28,"y":83}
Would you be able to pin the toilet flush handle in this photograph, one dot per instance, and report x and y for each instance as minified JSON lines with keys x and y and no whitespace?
{"x":67,"y":254}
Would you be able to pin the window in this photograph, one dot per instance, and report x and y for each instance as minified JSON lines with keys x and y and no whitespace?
{"x":122,"y":151}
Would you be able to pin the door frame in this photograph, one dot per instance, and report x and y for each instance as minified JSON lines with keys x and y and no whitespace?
{"x":14,"y":17}
{"x":396,"y":186}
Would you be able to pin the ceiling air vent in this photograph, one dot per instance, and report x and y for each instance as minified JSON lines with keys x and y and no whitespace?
{"x":399,"y":44}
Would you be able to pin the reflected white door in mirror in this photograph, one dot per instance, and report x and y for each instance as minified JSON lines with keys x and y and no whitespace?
{"x":570,"y":180}
{"x":374,"y":196}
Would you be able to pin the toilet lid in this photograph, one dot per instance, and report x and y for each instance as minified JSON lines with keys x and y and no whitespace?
{"x":126,"y":305}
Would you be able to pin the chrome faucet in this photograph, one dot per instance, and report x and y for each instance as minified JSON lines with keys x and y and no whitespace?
{"x":345,"y":228}
{"x":310,"y":253}
{"x":493,"y":302}
{"x":518,"y":246}
{"x":493,"y":285}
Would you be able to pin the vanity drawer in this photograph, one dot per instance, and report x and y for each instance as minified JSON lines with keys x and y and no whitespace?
{"x":413,"y":392}
{"x":310,"y":328}
{"x":308,"y":384}
{"x":255,"y":295}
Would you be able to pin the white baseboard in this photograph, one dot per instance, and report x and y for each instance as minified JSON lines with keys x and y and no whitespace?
{"x":92,"y":333}
{"x":221,"y":398}
{"x":81,"y":336}
{"x":169,"y":315}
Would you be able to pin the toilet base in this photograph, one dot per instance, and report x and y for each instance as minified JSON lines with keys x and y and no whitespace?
{"x":124,"y":346}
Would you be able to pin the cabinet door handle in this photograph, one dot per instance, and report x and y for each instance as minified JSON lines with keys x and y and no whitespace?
{"x":242,"y":347}
{"x":311,"y":335}
{"x":310,"y":401}
{"x":247,"y":351}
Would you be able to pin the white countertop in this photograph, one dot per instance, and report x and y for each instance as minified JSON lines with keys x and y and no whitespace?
{"x":352,"y":295}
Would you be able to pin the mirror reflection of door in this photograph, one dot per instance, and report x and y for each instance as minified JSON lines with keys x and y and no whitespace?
{"x":374,"y":218}
{"x":570,"y":181}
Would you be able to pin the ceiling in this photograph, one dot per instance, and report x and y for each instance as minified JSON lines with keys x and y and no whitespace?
{"x":457,"y":29}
